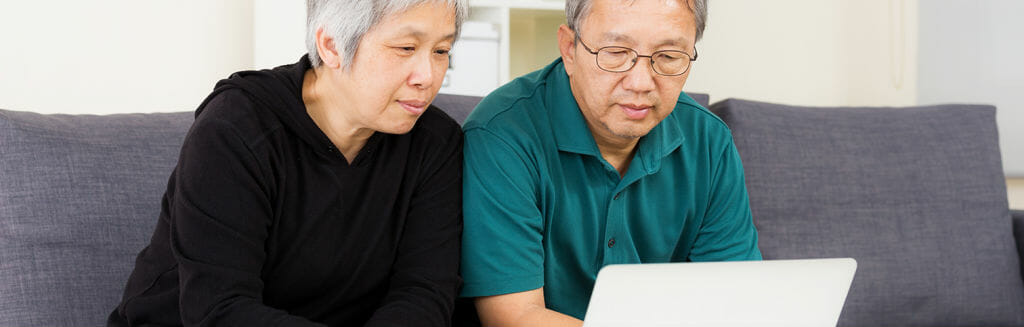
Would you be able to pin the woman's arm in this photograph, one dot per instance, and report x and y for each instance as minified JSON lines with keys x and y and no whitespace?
{"x":424,"y":279}
{"x":219,"y":211}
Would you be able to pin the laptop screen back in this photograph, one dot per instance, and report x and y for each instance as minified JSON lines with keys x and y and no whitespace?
{"x":787,"y":293}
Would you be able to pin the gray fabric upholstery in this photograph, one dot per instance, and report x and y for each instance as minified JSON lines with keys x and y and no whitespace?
{"x":456,"y":106}
{"x":701,"y":98}
{"x":916,"y":195}
{"x":1018,"y":233}
{"x":79,"y":197}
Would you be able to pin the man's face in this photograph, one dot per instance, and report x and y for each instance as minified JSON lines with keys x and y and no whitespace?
{"x":622,"y":107}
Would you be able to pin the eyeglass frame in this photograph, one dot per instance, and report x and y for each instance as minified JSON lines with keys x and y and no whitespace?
{"x":638,"y":56}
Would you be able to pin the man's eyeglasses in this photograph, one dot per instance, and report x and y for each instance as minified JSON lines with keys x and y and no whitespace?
{"x":620,"y":59}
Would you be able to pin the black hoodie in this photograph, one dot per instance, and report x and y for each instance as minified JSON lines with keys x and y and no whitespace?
{"x":264,"y":222}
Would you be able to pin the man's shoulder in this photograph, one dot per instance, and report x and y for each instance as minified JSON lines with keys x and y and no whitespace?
{"x":695,"y":118}
{"x":515,"y":111}
{"x":509,"y":103}
{"x":517,"y":104}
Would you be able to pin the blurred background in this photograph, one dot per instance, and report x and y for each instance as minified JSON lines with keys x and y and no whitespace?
{"x":115,"y":56}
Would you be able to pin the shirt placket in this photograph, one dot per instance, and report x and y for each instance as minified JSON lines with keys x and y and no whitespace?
{"x":614,"y":228}
{"x":616,"y":242}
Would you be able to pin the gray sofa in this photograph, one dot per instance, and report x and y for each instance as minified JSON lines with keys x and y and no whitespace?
{"x":917,"y":195}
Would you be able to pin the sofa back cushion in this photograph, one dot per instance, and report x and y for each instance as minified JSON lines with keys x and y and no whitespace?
{"x":701,"y":98}
{"x":916,"y":195}
{"x":1018,"y":233}
{"x":456,"y":106}
{"x":79,"y":198}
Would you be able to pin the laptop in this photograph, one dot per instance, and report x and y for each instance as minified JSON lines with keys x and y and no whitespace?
{"x":791,"y":293}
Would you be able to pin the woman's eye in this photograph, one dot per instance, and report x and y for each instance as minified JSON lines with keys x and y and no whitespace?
{"x":442,"y":51}
{"x":406,"y":49}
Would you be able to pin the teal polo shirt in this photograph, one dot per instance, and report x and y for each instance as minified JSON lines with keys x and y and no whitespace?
{"x":542,"y":208}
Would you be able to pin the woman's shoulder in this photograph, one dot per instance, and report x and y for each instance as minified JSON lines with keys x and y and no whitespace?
{"x":235,"y":111}
{"x":437,"y":126}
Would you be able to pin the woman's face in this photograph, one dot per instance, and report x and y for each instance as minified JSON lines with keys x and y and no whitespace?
{"x":398,"y":68}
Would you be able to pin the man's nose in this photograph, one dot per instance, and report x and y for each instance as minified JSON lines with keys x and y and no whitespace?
{"x":640,"y":78}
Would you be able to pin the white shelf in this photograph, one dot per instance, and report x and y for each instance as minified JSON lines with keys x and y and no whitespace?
{"x":527,"y":33}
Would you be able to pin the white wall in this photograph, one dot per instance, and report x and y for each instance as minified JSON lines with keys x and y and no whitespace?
{"x":809,"y":52}
{"x":107,"y":56}
{"x":973,"y":51}
{"x":279,"y":31}
{"x":1015,"y":192}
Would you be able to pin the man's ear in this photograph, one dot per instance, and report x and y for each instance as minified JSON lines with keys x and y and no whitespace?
{"x":567,"y":46}
{"x":326,"y":49}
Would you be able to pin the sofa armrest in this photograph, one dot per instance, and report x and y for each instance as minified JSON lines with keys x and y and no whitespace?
{"x":1018,"y":234}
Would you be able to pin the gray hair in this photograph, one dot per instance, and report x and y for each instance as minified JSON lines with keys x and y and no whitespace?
{"x":348,"y":20}
{"x":577,"y":10}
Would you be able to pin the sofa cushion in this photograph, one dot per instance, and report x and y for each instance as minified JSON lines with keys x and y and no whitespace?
{"x":916,"y":195}
{"x":1018,"y":233}
{"x":456,"y":106}
{"x":79,"y":198}
{"x":701,"y":98}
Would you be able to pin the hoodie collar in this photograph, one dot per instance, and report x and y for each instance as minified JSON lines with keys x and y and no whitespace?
{"x":279,"y":90}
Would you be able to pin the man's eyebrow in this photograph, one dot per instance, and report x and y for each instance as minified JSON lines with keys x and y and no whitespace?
{"x":681,"y":42}
{"x":617,"y":37}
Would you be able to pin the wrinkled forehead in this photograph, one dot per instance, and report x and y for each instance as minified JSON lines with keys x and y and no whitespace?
{"x":669,"y":21}
{"x":673,"y":5}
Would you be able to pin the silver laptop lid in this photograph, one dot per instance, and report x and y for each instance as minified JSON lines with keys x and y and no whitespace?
{"x":789,"y":293}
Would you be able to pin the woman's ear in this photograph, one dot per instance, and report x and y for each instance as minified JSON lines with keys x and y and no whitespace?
{"x":326,"y":49}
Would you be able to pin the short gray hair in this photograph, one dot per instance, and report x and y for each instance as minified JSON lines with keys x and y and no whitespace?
{"x":577,"y":10}
{"x":348,"y":20}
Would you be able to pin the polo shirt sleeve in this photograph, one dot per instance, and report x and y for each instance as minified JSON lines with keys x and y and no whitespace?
{"x":502,"y":249}
{"x":727,"y":231}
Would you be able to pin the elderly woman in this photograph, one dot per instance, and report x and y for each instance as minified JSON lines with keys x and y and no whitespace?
{"x":325,"y":192}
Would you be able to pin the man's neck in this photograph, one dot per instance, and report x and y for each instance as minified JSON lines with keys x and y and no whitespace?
{"x":617,"y":151}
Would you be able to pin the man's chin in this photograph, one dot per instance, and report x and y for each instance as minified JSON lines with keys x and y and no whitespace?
{"x":632,"y":129}
{"x":629,"y":133}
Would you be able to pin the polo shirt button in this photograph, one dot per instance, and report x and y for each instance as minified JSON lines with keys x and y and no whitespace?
{"x":611,"y":242}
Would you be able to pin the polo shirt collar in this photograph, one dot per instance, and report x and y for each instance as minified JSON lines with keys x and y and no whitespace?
{"x":573,"y":135}
{"x":567,"y":123}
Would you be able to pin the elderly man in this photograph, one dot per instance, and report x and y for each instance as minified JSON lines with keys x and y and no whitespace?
{"x":598,"y":159}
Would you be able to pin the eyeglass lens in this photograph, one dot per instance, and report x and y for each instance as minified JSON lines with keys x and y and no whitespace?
{"x":619,"y":59}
